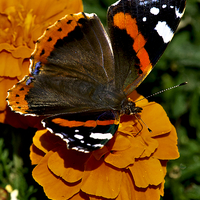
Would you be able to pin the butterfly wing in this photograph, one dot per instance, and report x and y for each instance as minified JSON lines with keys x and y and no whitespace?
{"x":85,"y":131}
{"x":140,"y":32}
{"x":72,"y":70}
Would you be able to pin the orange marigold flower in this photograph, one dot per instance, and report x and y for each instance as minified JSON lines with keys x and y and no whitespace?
{"x":132,"y":165}
{"x":22,"y":22}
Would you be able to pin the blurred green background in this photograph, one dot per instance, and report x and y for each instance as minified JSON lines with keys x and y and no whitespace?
{"x":179,"y":63}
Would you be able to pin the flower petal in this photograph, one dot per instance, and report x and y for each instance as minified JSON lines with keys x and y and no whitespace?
{"x":167,"y":146}
{"x":151,"y":145}
{"x":130,"y":192}
{"x":80,"y":196}
{"x":54,"y":187}
{"x":156,"y":119}
{"x":68,"y":164}
{"x":128,"y":189}
{"x":46,"y":141}
{"x":5,"y":84}
{"x":125,"y":155}
{"x":101,"y":179}
{"x":147,"y":172}
{"x":10,"y":66}
{"x":35,"y":155}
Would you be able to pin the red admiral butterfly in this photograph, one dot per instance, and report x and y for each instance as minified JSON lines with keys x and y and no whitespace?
{"x":81,"y":77}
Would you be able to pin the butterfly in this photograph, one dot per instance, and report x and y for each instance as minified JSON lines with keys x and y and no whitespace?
{"x":80,"y":76}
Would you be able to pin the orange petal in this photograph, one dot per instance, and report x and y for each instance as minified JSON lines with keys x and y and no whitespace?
{"x":35,"y":155}
{"x":45,"y":141}
{"x":167,"y":146}
{"x":81,"y":196}
{"x":121,"y":143}
{"x":5,"y":84}
{"x":54,"y":187}
{"x":151,"y":193}
{"x":122,"y":158}
{"x":128,"y":189}
{"x":151,"y":145}
{"x":156,"y":119}
{"x":101,"y":179}
{"x":10,"y":66}
{"x":68,"y":164}
{"x":22,"y":52}
{"x":147,"y":172}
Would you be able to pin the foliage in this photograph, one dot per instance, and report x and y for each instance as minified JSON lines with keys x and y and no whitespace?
{"x":180,"y":63}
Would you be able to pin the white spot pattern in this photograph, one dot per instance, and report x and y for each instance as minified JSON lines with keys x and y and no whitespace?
{"x":178,"y":13}
{"x":80,"y":137}
{"x":144,"y":19}
{"x":101,"y":136}
{"x":164,"y":31}
{"x":154,"y":10}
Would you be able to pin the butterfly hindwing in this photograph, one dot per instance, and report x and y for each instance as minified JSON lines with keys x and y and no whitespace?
{"x":85,"y":131}
{"x":140,"y":32}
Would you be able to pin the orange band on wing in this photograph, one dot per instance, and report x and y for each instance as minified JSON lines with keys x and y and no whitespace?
{"x":126,"y":22}
{"x":89,"y":123}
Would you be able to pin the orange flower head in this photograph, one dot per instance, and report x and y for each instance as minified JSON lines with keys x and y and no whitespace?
{"x":132,"y":165}
{"x":22,"y":23}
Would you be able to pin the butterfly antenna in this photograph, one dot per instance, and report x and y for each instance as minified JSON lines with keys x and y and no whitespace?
{"x":161,"y":91}
{"x":140,"y":119}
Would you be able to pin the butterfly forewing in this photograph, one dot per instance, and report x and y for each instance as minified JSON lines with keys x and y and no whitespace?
{"x":140,"y":32}
{"x":72,"y":70}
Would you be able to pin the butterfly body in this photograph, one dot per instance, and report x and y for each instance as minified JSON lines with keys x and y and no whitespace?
{"x":81,"y":74}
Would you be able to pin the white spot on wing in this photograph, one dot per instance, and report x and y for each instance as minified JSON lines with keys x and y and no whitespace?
{"x":164,"y":31}
{"x":101,"y":136}
{"x":97,"y":145}
{"x":80,"y":137}
{"x":76,"y":131}
{"x":164,"y":6}
{"x":75,"y":148}
{"x":144,"y":19}
{"x":154,"y":10}
{"x":178,"y":13}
